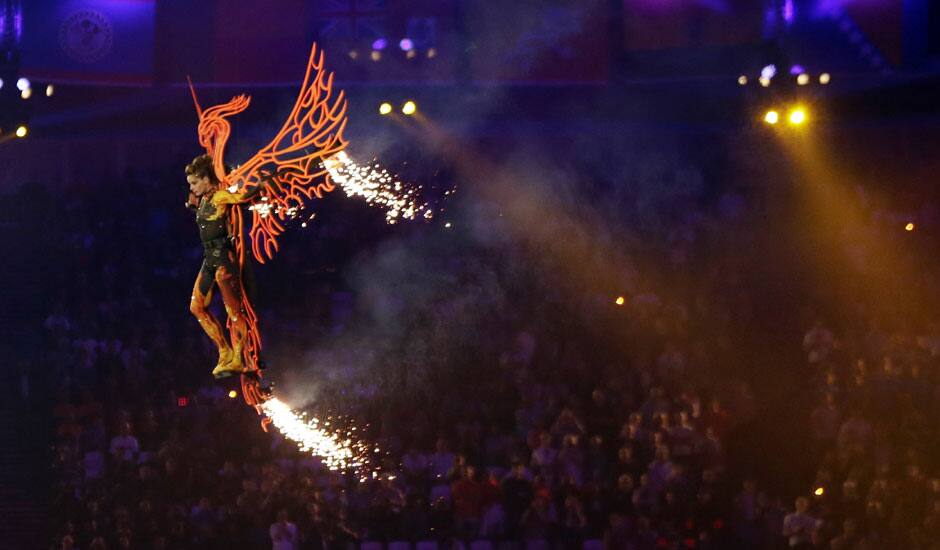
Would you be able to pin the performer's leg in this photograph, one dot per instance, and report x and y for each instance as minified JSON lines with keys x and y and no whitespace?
{"x":199,"y":306}
{"x":230,"y":287}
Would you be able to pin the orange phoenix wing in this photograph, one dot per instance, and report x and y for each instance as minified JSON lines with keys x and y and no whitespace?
{"x":292,"y":162}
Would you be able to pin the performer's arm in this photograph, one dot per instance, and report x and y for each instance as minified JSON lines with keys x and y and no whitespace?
{"x":224,"y":196}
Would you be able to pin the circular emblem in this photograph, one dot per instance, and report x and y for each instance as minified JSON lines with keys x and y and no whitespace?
{"x":86,"y":36}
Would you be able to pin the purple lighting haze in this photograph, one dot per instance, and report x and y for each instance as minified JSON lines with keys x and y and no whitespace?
{"x":789,"y":11}
{"x":797,"y":70}
{"x":379,"y":44}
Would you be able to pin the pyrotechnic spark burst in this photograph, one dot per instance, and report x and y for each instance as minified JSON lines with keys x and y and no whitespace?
{"x":339,"y":452}
{"x":377,"y":187}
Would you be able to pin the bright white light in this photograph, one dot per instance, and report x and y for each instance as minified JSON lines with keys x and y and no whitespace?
{"x":742,"y":80}
{"x":1,"y":83}
{"x":824,"y":78}
{"x":27,"y":93}
{"x":406,"y":44}
{"x":49,"y":90}
{"x":768,"y":72}
{"x":764,"y":81}
{"x":385,"y":108}
{"x":22,"y":84}
{"x":802,"y":79}
{"x":21,"y":131}
{"x":409,"y":108}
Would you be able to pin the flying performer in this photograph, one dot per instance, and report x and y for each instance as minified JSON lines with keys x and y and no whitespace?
{"x":275,"y":183}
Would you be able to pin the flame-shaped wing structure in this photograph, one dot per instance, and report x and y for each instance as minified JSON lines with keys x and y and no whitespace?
{"x":292,"y":163}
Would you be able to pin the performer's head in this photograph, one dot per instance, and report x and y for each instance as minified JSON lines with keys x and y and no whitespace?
{"x":201,"y":176}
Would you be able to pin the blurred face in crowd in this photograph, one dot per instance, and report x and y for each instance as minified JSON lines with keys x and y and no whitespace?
{"x":802,"y":505}
{"x":625,"y":483}
{"x":625,"y":453}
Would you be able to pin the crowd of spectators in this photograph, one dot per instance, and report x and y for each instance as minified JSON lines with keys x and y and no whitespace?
{"x":565,"y":438}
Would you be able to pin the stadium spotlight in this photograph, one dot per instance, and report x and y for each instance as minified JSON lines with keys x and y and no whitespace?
{"x":764,"y":81}
{"x":26,"y":93}
{"x":409,"y":108}
{"x":772,"y":117}
{"x":909,"y":226}
{"x":797,"y":116}
{"x":620,"y":300}
{"x":432,"y":53}
{"x":742,"y":80}
{"x":379,"y":44}
{"x":22,"y":131}
{"x":1,"y":83}
{"x":50,"y":89}
{"x":385,"y":108}
{"x":406,"y":44}
{"x":22,"y":84}
{"x":824,"y":78}
{"x":376,"y":55}
{"x":802,"y":79}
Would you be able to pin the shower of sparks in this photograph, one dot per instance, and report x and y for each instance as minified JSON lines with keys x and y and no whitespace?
{"x":377,"y":187}
{"x":338,"y":451}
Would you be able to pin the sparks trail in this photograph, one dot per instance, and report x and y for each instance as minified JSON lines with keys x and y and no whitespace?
{"x":339,"y":451}
{"x":378,"y":188}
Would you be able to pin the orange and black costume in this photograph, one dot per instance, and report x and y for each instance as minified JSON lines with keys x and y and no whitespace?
{"x":279,"y":179}
{"x":220,"y":267}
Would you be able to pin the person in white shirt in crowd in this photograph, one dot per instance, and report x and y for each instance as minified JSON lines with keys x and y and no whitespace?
{"x":284,"y":535}
{"x":125,"y":446}
{"x":798,"y":526}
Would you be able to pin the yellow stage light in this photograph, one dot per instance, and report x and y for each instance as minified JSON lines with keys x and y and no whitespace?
{"x":409,"y":108}
{"x":22,"y":131}
{"x":742,"y":80}
{"x":909,"y":226}
{"x":619,"y":301}
{"x":824,"y":78}
{"x":802,"y":79}
{"x":764,"y":81}
{"x":411,"y":54}
{"x":233,"y":394}
{"x":819,"y":491}
{"x":376,"y":55}
{"x":772,"y":117}
{"x":797,"y":116}
{"x":26,"y":93}
{"x":432,"y":53}
{"x":385,"y":108}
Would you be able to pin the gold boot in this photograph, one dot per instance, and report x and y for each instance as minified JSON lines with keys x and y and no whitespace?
{"x":231,"y":367}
